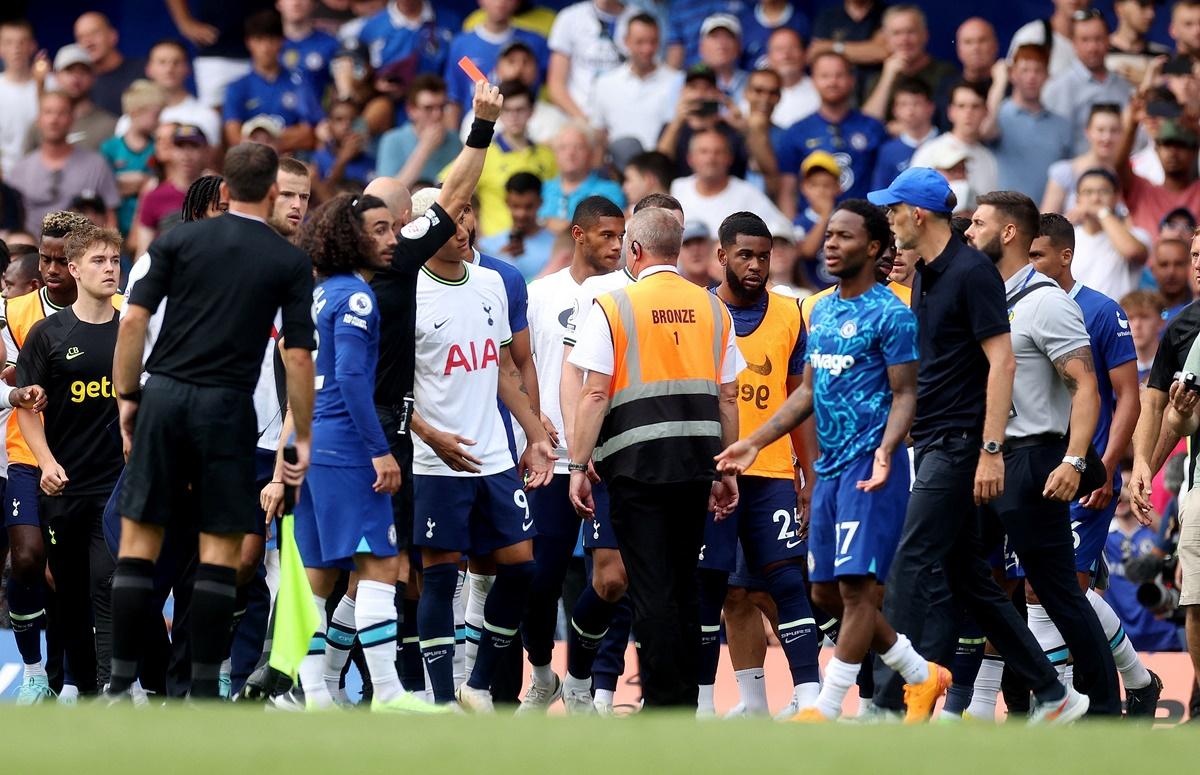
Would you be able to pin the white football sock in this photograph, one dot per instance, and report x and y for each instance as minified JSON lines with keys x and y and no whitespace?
{"x":312,"y":667}
{"x":905,"y":660}
{"x":609,"y":697}
{"x":1133,"y":673}
{"x":704,"y":702}
{"x":337,"y":654}
{"x":752,"y":690}
{"x":37,"y":668}
{"x":1049,"y":638}
{"x":461,"y":669}
{"x":543,"y":675}
{"x":987,"y":687}
{"x":839,"y":677}
{"x":478,"y":586}
{"x":375,"y":618}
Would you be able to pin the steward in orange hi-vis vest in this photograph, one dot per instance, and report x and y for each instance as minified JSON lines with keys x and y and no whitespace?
{"x":663,"y":423}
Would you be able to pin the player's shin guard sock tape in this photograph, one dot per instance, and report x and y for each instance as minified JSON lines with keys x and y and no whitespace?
{"x":375,"y":617}
{"x":501,"y":618}
{"x":435,"y":623}
{"x":312,"y":667}
{"x":839,"y":677}
{"x":589,"y":625}
{"x":967,"y":659}
{"x":132,"y":596}
{"x":1133,"y":673}
{"x":213,"y":597}
{"x":905,"y":660}
{"x":987,"y":688}
{"x":478,"y":587}
{"x":339,"y":639}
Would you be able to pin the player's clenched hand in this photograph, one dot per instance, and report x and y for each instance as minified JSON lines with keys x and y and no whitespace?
{"x":989,"y":478}
{"x":1062,"y":484}
{"x":293,"y":473}
{"x":724,"y":497}
{"x":736,"y":458}
{"x":54,"y":479}
{"x":581,"y":494}
{"x":387,"y":474}
{"x":271,"y":500}
{"x":449,"y":447}
{"x":879,"y":472}
{"x":537,"y":464}
{"x":487,"y":101}
{"x":32,"y":398}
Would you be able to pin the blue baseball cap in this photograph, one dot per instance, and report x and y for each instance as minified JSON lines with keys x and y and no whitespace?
{"x":916,"y":186}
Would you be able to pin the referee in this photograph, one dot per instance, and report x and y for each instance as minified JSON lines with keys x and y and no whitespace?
{"x":191,"y":434}
{"x":658,"y":403}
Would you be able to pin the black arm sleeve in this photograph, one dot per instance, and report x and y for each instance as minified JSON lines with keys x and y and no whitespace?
{"x":298,"y":329}
{"x":421,"y":238}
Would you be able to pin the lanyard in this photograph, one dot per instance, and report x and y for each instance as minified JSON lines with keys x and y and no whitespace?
{"x":1028,"y":277}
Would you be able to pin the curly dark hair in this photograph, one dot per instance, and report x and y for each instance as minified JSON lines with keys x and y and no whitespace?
{"x":334,"y":235}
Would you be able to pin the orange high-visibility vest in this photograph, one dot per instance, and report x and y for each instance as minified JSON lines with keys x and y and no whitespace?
{"x":663,"y":422}
{"x":762,"y":385}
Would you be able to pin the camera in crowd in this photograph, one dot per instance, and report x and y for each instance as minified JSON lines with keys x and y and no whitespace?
{"x":1190,"y":380}
{"x":1155,"y":577}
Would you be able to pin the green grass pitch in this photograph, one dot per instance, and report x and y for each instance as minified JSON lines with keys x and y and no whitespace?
{"x":88,"y":740}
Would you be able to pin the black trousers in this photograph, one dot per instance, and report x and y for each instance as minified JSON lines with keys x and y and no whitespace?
{"x":1039,"y":531}
{"x":659,"y":529}
{"x":82,"y":567}
{"x":942,"y":529}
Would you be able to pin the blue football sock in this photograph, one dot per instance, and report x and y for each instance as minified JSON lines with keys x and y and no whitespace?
{"x":411,"y":667}
{"x":797,"y":626}
{"x":586,"y":630}
{"x":27,"y":611}
{"x":713,"y":586}
{"x":610,"y":656}
{"x":968,"y":658}
{"x":552,"y":553}
{"x":501,"y":619}
{"x":435,"y":623}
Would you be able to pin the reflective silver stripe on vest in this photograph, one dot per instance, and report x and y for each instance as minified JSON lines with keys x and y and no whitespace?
{"x":659,"y":430}
{"x":718,"y":331}
{"x":633,"y":359}
{"x":671,"y":387}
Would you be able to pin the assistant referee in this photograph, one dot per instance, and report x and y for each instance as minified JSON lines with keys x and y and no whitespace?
{"x":659,"y":401}
{"x":191,"y":435}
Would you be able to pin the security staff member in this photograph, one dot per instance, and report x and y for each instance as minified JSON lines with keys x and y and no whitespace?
{"x":964,"y":391}
{"x":659,"y":402}
{"x":1054,"y":389}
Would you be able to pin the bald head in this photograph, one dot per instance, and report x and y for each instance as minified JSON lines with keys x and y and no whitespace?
{"x":96,"y":35}
{"x":977,"y":48}
{"x":399,"y":202}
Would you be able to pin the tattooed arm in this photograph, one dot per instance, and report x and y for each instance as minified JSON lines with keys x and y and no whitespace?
{"x":1079,"y":375}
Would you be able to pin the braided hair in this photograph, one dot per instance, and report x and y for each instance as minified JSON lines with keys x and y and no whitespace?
{"x":59,"y":224}
{"x":201,"y":195}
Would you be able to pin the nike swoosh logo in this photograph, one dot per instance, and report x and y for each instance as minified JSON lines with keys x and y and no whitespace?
{"x":434,"y":658}
{"x":439,"y":325}
{"x":794,"y":637}
{"x":842,"y":561}
{"x":794,"y":543}
{"x":526,"y":525}
{"x":764,"y":370}
{"x":73,"y":355}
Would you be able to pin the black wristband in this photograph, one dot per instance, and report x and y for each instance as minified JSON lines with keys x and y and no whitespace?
{"x":481,"y":133}
{"x":135,"y":396}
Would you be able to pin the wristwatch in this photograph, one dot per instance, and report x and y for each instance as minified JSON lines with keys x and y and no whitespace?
{"x":839,"y":47}
{"x":1103,"y":213}
{"x":577,"y":467}
{"x":1079,"y":463}
{"x":992,"y":447}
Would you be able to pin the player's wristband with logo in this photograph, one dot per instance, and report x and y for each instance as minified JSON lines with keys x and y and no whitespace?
{"x":581,"y":467}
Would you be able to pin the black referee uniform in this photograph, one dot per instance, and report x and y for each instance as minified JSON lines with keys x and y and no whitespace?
{"x":72,"y":360}
{"x":196,"y":430}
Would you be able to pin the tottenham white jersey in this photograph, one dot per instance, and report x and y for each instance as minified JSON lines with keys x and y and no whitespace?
{"x":589,"y":289}
{"x":552,"y":301}
{"x":461,"y":327}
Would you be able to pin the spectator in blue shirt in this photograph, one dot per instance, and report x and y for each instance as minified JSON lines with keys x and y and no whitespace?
{"x":853,"y":139}
{"x":912,"y":110}
{"x":305,"y":48}
{"x":406,"y":39}
{"x":577,"y":178}
{"x":684,"y":19}
{"x":759,"y":20}
{"x":271,"y":90}
{"x":423,"y":146}
{"x":527,"y":245}
{"x":345,"y":162}
{"x":1127,"y":540}
{"x":483,"y":45}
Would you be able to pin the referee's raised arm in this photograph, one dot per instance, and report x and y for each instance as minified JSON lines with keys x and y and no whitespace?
{"x":464,"y":173}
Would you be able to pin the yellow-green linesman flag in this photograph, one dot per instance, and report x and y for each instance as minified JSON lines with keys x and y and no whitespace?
{"x":296,"y":616}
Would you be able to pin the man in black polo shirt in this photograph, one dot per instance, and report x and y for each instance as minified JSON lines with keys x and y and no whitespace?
{"x":396,"y":294}
{"x":191,"y":438}
{"x":964,"y":393}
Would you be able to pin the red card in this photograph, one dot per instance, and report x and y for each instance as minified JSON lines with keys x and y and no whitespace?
{"x":473,"y":72}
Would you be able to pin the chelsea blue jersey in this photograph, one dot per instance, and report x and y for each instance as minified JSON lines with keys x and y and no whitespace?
{"x":851,"y":344}
{"x":346,"y":429}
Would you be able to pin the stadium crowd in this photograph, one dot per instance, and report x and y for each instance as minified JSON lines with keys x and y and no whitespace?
{"x":980,"y":275}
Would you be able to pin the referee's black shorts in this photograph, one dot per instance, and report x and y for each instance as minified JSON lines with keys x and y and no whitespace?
{"x":402,"y":449}
{"x":192,"y":456}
